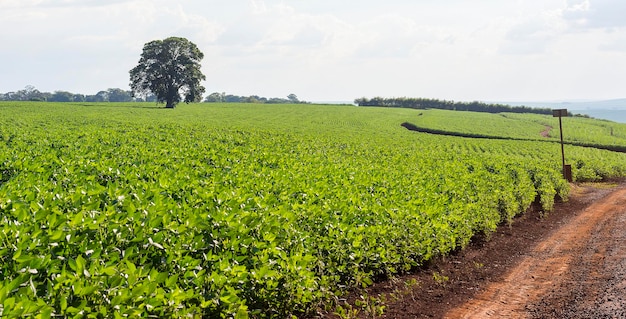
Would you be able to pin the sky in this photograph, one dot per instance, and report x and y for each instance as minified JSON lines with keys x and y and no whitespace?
{"x":329,"y":50}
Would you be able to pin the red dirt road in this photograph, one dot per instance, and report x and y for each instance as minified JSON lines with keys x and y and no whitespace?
{"x":584,"y":258}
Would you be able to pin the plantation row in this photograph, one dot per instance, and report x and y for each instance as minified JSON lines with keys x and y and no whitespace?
{"x":243,"y":211}
{"x":576,"y":130}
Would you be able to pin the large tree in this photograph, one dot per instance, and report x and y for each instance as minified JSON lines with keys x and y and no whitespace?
{"x":168,"y":68}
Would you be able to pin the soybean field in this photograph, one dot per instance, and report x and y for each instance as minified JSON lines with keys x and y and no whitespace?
{"x":254,"y":211}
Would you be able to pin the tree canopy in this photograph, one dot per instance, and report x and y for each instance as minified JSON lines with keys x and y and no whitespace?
{"x":218,"y":97}
{"x":30,"y":93}
{"x":168,"y":69}
{"x":423,"y":103}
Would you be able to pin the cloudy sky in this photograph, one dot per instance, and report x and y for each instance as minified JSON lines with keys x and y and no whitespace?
{"x":329,"y":50}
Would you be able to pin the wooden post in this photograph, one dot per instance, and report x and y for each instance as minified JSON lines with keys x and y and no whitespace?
{"x":566,"y":169}
{"x":562,"y":147}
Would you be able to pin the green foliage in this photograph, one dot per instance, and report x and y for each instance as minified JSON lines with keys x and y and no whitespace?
{"x":30,"y":93}
{"x":440,"y":279}
{"x":242,"y":211}
{"x":217,"y":97}
{"x":424,"y":103}
{"x":168,"y":68}
{"x":504,"y":125}
{"x":577,"y":130}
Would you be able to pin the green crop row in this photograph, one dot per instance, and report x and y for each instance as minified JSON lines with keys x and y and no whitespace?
{"x":484,"y":124}
{"x":240,"y":211}
{"x":577,"y":130}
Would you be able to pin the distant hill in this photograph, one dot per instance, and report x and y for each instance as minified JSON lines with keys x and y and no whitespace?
{"x":615,"y":104}
{"x":614,"y":110}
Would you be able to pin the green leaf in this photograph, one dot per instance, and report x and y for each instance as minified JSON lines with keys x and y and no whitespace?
{"x":109,"y":271}
{"x":73,"y":265}
{"x":131,"y":266}
{"x":63,"y":303}
{"x":72,"y":310}
{"x":9,"y":303}
{"x":171,"y":281}
{"x":80,"y":264}
{"x":242,"y":312}
{"x":45,"y":313}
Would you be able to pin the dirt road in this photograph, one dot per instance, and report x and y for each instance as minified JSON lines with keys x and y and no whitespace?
{"x":579,"y":271}
{"x":568,"y":264}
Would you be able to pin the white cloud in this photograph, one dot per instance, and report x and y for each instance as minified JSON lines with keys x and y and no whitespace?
{"x":327,"y":50}
{"x":533,"y":35}
{"x":603,"y":14}
{"x":96,"y":41}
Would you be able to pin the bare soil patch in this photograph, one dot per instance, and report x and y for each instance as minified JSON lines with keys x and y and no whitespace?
{"x":546,"y":133}
{"x":570,"y":263}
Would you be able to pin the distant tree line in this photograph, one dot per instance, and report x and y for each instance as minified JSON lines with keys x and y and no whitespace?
{"x":30,"y":93}
{"x":423,"y":103}
{"x":229,"y":98}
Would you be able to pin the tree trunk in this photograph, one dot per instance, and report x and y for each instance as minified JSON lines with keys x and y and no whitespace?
{"x":171,"y":98}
